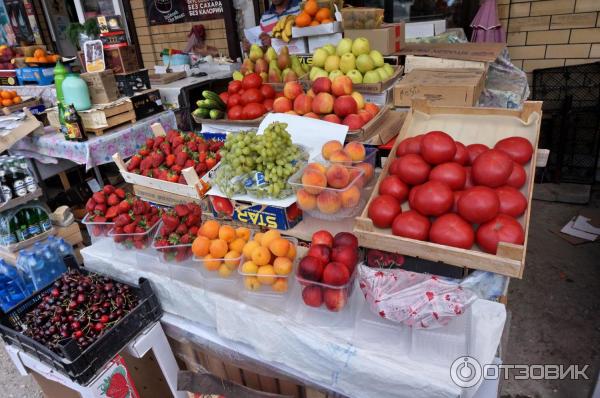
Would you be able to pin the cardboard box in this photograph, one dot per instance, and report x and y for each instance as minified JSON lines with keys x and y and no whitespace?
{"x":295,"y":46}
{"x":121,"y":59}
{"x":324,"y":29}
{"x":315,"y":42}
{"x":8,"y":78}
{"x":484,"y":52}
{"x":102,"y":86}
{"x":272,"y":217}
{"x":387,"y":40}
{"x":147,"y":103}
{"x":425,"y":29}
{"x":440,"y":87}
{"x":412,"y":62}
{"x":113,"y":39}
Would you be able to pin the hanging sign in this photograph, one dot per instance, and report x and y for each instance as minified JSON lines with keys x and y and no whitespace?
{"x":161,"y":12}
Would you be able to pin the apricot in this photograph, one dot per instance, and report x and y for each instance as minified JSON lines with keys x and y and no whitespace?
{"x":224,"y":271}
{"x":218,"y":248}
{"x":269,"y":237}
{"x":282,"y":266}
{"x":279,"y":247}
{"x":337,"y":176}
{"x":329,"y":202}
{"x":232,"y":259}
{"x":291,"y":254}
{"x":305,"y":200}
{"x":251,"y":283}
{"x":210,"y":229}
{"x":265,"y":275}
{"x":200,"y":246}
{"x":261,"y":256}
{"x":368,"y":169}
{"x":329,"y":148}
{"x":280,"y":285}
{"x":211,"y":263}
{"x":356,"y":151}
{"x":340,"y":156}
{"x":317,"y":167}
{"x":350,"y":197}
{"x":249,"y":268}
{"x":227,"y":233}
{"x":354,"y":174}
{"x":249,"y":248}
{"x":237,"y":245}
{"x":313,"y":181}
{"x":258,"y":237}
{"x":243,"y":232}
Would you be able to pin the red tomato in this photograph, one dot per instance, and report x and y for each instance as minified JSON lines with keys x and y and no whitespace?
{"x":224,"y":97}
{"x":512,"y":201}
{"x":251,"y":80}
{"x":253,"y":110}
{"x":451,"y":230}
{"x":411,"y":169}
{"x":410,"y":145}
{"x":501,"y":228}
{"x":234,"y":99}
{"x":518,"y":148}
{"x":267,"y":91}
{"x":268,"y":103}
{"x":478,"y":204}
{"x":437,"y":147}
{"x":392,"y":185}
{"x":234,"y":87}
{"x":222,"y":206}
{"x":462,"y":155}
{"x":518,"y":176}
{"x":457,"y":195}
{"x":433,"y":198}
{"x":469,"y":180}
{"x":411,"y":197}
{"x":235,"y":113}
{"x":475,"y":150}
{"x":451,"y":173}
{"x":383,"y":209}
{"x":492,"y":168}
{"x":411,"y":225}
{"x":252,"y":95}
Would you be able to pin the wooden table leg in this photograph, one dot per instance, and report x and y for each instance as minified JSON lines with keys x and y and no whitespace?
{"x":64,"y":180}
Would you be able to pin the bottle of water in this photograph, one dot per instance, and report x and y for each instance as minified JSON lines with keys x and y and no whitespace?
{"x":39,"y":272}
{"x":53,"y":262}
{"x":24,"y":271}
{"x":12,"y":290}
{"x":64,"y":248}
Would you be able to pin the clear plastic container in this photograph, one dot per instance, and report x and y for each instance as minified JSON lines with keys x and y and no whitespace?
{"x":97,"y":230}
{"x":370,"y":157}
{"x":174,"y":253}
{"x":323,"y":296}
{"x":362,"y":17}
{"x":139,"y":241}
{"x":330,"y":203}
{"x":281,"y":285}
{"x":220,"y":269}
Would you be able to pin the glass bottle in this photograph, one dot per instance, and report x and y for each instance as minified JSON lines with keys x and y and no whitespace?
{"x":5,"y":185}
{"x":61,"y":121}
{"x":43,"y":219}
{"x":7,"y":237}
{"x":74,"y":125}
{"x":30,"y":183}
{"x":19,"y":226}
{"x":33,"y":227}
{"x":18,"y":181}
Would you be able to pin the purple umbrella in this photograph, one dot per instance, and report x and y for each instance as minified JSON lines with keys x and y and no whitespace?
{"x":486,"y":25}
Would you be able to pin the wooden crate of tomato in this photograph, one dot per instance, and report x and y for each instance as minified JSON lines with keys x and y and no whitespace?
{"x":457,"y":188}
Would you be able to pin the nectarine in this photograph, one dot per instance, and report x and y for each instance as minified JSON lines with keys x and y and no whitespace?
{"x":330,"y":147}
{"x":337,"y":176}
{"x":313,"y":181}
{"x":329,"y":202}
{"x":356,"y":151}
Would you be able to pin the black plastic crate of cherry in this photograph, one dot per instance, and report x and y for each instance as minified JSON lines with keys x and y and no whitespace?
{"x":80,"y":353}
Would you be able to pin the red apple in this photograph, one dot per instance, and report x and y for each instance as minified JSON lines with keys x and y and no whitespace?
{"x":335,"y":299}
{"x":321,"y":85}
{"x":322,"y":237}
{"x":336,"y":274}
{"x":345,"y":254}
{"x":312,"y":296}
{"x":303,"y":104}
{"x":345,"y":238}
{"x":366,"y":116}
{"x":320,"y":252}
{"x":344,"y":106}
{"x":341,"y":85}
{"x":291,"y":90}
{"x":353,"y":121}
{"x":310,"y":268}
{"x":282,"y":105}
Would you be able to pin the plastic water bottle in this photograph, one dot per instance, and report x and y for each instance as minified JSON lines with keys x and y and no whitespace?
{"x":24,"y":271}
{"x":64,"y":248}
{"x":12,"y":290}
{"x":53,"y":262}
{"x":39,"y":272}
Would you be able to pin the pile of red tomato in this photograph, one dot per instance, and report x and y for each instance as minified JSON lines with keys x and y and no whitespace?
{"x":248,"y":98}
{"x":458,"y":195}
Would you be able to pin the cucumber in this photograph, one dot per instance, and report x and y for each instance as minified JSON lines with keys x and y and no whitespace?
{"x":211,"y":95}
{"x":207,"y":104}
{"x":216,"y":114}
{"x":202,"y":113}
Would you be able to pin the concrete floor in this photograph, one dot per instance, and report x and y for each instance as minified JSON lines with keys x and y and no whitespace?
{"x":554,"y":312}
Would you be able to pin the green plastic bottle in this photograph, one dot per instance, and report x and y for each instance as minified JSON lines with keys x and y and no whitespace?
{"x":60,"y":72}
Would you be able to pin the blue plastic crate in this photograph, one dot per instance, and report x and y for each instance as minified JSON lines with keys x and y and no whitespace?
{"x":35,"y":74}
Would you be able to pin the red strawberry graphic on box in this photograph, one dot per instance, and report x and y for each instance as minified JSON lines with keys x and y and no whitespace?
{"x":117,"y":387}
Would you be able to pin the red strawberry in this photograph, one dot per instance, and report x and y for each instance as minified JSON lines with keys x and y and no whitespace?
{"x":129,"y":228}
{"x":124,"y":206}
{"x":185,"y":239}
{"x":122,"y":220}
{"x":112,"y":212}
{"x":181,"y":180}
{"x":90,"y":205}
{"x":150,"y":142}
{"x":172,"y":176}
{"x":193,"y":230}
{"x":108,"y":189}
{"x":99,"y":197}
{"x":177,"y":141}
{"x":146,"y":164}
{"x":195,"y":209}
{"x":192,"y":220}
{"x":144,"y":151}
{"x":170,"y":160}
{"x":170,"y":221}
{"x":161,"y":242}
{"x":134,"y":162}
{"x":113,"y":199}
{"x":182,"y":254}
{"x":166,"y":148}
{"x":176,"y":168}
{"x":120,"y":193}
{"x":189,"y":163}
{"x":210,"y":162}
{"x":139,"y":242}
{"x":157,"y":158}
{"x":180,"y":158}
{"x":181,"y":210}
{"x":159,"y":140}
{"x":100,"y":208}
{"x":99,"y":218}
{"x":181,"y":229}
{"x":138,"y":207}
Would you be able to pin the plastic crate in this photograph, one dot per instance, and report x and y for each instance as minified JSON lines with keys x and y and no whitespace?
{"x":137,"y":241}
{"x":82,"y":366}
{"x":133,"y":82}
{"x":97,"y":230}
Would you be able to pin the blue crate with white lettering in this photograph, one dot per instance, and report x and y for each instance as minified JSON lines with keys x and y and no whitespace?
{"x":35,"y":74}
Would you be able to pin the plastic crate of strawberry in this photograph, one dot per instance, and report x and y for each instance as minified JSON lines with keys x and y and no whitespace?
{"x":177,"y":232}
{"x":135,"y":223}
{"x":102,"y":208}
{"x":164,"y":157}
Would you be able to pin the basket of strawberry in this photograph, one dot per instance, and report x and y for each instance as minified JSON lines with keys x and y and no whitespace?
{"x":177,"y":231}
{"x":102,"y":208}
{"x":134,"y":225}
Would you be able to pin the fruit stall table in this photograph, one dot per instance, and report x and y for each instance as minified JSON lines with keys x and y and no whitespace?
{"x":97,"y":150}
{"x":353,"y":353}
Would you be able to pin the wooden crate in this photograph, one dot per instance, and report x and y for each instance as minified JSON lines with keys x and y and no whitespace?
{"x":27,"y":103}
{"x":98,"y":120}
{"x":165,"y":78}
{"x":468,"y":125}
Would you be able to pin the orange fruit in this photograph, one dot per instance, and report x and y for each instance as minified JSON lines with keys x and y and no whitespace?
{"x":218,"y":248}
{"x":315,"y":23}
{"x":269,"y":237}
{"x":327,"y":20}
{"x":303,"y":19}
{"x":227,"y":233}
{"x":12,"y":93}
{"x":258,"y":237}
{"x":211,"y":263}
{"x":17,"y":100}
{"x":279,"y":247}
{"x":210,"y":229}
{"x":237,"y":245}
{"x":201,"y":246}
{"x":43,"y":59}
{"x":232,"y":259}
{"x":261,"y":256}
{"x":243,"y":232}
{"x":249,"y":248}
{"x":311,"y":7}
{"x":7,"y":102}
{"x":39,"y":53}
{"x":291,"y":254}
{"x":323,"y":13}
{"x":282,"y":266}
{"x":5,"y":95}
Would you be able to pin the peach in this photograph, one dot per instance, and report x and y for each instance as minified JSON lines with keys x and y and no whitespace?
{"x":373,"y":109}
{"x":337,"y":176}
{"x":342,"y":85}
{"x":316,"y":166}
{"x":329,"y":202}
{"x":305,"y":200}
{"x":292,"y":90}
{"x":354,"y":174}
{"x":360,"y":100}
{"x":368,"y":169}
{"x":291,"y":113}
{"x":330,"y":147}
{"x":313,"y":181}
{"x":332,"y":118}
{"x":310,"y":93}
{"x":323,"y":103}
{"x":340,"y":156}
{"x":350,"y":197}
{"x":303,"y":104}
{"x":356,"y":150}
{"x":353,"y":121}
{"x":344,"y":106}
{"x":322,"y":85}
{"x":282,"y":105}
{"x":365,"y":115}
{"x":312,"y":115}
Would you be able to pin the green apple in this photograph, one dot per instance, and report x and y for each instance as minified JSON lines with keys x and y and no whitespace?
{"x":364,"y":63}
{"x":355,"y":76}
{"x":335,"y":73}
{"x":319,"y":57}
{"x":360,"y":46}
{"x":237,"y":75}
{"x":377,"y":58}
{"x":332,"y":63}
{"x":389,"y":69}
{"x":382,"y":73}
{"x":344,"y":47}
{"x":371,"y":77}
{"x":347,"y":62}
{"x":329,"y":48}
{"x":316,"y":73}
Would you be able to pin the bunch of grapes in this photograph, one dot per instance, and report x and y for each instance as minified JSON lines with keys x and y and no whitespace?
{"x":268,"y":160}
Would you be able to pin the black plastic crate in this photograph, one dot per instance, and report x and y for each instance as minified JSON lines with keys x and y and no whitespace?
{"x":82,"y":366}
{"x":133,"y":82}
